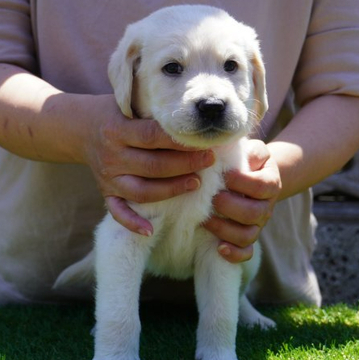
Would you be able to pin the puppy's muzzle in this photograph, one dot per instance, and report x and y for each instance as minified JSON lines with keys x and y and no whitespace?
{"x":211,"y":114}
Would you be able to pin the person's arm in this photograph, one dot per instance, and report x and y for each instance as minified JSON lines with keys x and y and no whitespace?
{"x":323,"y":135}
{"x":39,"y":122}
{"x":34,"y":123}
{"x":319,"y":140}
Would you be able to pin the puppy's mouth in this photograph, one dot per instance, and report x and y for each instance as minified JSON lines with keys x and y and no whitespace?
{"x":208,"y":132}
{"x":217,"y":127}
{"x":210,"y":122}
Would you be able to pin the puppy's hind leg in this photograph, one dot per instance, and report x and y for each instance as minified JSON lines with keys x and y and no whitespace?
{"x":217,"y":285}
{"x":250,"y":316}
{"x":121,"y":257}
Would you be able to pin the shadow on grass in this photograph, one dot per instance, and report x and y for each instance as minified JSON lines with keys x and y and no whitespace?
{"x":46,"y":332}
{"x":168,"y":332}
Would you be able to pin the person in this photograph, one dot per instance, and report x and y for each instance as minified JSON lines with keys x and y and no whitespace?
{"x":66,"y":146}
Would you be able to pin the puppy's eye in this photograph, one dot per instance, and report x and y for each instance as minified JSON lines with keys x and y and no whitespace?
{"x":230,"y":66}
{"x":173,"y":68}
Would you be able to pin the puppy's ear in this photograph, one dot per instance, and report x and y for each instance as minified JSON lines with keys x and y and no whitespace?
{"x":122,"y":67}
{"x":259,"y":84}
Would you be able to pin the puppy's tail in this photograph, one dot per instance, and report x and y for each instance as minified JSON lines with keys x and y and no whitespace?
{"x":9,"y":294}
{"x":79,"y":275}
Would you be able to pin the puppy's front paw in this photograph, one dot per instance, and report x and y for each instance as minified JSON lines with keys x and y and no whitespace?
{"x":210,"y":354}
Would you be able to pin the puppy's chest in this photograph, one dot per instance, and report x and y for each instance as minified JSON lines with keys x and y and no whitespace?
{"x":177,"y":222}
{"x":178,"y":231}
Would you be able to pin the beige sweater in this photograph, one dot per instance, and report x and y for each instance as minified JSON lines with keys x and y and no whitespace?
{"x":48,"y":211}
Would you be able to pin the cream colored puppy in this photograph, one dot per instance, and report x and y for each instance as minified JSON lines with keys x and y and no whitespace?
{"x":199,"y":73}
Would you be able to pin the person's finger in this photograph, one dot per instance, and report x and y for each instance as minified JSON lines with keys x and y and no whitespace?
{"x":142,"y":133}
{"x":258,"y":154}
{"x":261,"y":185}
{"x":163,"y":163}
{"x":237,"y":234}
{"x":242,"y":209}
{"x":123,"y":214}
{"x":141,"y":190}
{"x":234,"y":254}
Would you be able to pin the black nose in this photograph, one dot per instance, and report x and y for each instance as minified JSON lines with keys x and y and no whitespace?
{"x":211,"y":108}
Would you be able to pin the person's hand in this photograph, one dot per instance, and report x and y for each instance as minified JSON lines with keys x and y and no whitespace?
{"x":134,"y":160}
{"x":247,"y":205}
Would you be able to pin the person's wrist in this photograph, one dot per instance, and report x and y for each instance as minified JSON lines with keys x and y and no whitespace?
{"x":79,"y":119}
{"x":88,"y":121}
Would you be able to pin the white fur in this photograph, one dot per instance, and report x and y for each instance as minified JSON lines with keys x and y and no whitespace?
{"x":9,"y":294}
{"x":201,"y":39}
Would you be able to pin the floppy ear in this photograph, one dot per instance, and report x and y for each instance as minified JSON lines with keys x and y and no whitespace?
{"x":121,"y":69}
{"x":259,"y":84}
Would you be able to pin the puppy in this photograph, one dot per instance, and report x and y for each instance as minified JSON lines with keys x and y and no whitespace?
{"x":199,"y":73}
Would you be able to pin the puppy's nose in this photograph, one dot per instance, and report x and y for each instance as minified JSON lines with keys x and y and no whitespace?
{"x":211,"y":108}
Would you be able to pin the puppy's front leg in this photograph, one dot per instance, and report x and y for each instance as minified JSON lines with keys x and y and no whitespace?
{"x":217,"y":285}
{"x":120,"y":261}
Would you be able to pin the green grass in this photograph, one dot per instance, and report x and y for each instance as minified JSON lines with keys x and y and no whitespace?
{"x":168,"y":333}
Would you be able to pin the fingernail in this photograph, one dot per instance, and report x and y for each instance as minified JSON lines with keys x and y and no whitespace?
{"x":192,"y":184}
{"x":224,"y":250}
{"x":208,"y":158}
{"x":145,"y":232}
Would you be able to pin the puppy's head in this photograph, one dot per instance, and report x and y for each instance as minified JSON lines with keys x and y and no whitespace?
{"x":195,"y":70}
